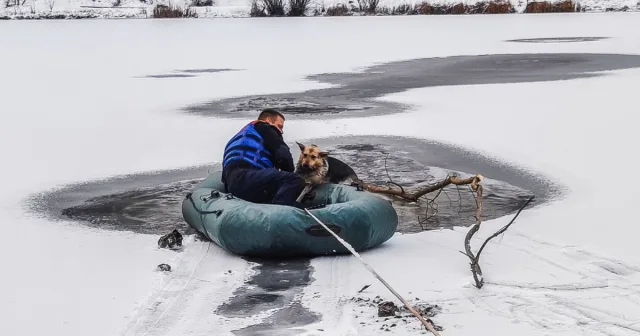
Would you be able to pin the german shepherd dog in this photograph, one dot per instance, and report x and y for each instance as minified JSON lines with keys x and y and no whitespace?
{"x":317,"y":167}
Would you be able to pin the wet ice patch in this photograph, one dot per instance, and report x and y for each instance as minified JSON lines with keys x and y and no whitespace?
{"x":199,"y":71}
{"x":169,"y":76}
{"x":293,"y":106}
{"x":273,"y":288}
{"x":187,"y":73}
{"x":354,"y":93}
{"x":560,"y":39}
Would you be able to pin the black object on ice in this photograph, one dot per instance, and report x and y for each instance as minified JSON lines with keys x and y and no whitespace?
{"x":170,"y":240}
{"x":387,"y":308}
{"x":363,"y":288}
{"x":164,"y":268}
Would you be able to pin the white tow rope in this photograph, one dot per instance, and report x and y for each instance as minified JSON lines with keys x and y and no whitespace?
{"x":353,"y":251}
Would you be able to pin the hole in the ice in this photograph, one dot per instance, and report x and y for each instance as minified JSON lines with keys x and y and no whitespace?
{"x":151,"y":204}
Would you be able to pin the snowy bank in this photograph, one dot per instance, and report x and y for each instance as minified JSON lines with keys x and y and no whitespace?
{"x":142,"y":9}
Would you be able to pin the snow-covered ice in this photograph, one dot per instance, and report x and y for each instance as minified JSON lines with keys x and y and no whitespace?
{"x":76,"y":106}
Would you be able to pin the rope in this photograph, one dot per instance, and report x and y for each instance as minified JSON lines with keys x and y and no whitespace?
{"x":202,"y":212}
{"x":353,"y":251}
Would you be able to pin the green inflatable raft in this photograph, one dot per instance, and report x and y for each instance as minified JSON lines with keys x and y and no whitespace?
{"x":361,"y":218}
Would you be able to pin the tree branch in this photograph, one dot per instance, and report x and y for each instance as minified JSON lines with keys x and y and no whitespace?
{"x":414,"y":196}
{"x":475,"y":266}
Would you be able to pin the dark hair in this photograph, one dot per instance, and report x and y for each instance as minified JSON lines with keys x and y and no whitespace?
{"x":270,"y":113}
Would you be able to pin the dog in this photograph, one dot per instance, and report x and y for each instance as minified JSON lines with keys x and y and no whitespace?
{"x":317,"y":167}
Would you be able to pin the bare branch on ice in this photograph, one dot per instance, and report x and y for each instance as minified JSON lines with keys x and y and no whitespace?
{"x":415,"y":195}
{"x":475,"y":267}
{"x":474,"y":183}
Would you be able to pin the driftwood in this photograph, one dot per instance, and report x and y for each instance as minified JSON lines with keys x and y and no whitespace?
{"x":400,"y":192}
{"x":475,"y":266}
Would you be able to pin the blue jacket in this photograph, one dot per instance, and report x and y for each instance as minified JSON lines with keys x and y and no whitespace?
{"x":248,"y":145}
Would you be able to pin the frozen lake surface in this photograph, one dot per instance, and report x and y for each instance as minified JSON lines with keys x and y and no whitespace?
{"x":85,"y":101}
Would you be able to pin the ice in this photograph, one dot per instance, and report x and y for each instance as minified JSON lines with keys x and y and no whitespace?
{"x":76,"y":106}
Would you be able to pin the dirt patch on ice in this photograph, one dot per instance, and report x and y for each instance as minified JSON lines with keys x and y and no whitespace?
{"x":151,"y":203}
{"x":376,"y":314}
{"x":354,"y":93}
{"x":560,"y":39}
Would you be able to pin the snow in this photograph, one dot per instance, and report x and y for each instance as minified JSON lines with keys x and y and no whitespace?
{"x":119,"y":9}
{"x":76,"y":107}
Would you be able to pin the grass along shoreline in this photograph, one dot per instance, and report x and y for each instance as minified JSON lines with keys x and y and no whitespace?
{"x":298,"y":8}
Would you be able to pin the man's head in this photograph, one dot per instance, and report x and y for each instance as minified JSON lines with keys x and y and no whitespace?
{"x":273,"y":117}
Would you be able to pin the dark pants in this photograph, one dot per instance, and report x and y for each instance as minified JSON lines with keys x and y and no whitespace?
{"x":265,"y":185}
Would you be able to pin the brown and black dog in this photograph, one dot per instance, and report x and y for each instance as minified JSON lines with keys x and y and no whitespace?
{"x":317,"y":167}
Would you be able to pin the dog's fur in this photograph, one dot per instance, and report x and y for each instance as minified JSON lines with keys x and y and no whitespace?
{"x":317,"y":167}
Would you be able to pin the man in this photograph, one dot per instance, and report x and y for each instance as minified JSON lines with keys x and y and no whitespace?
{"x":257,"y":164}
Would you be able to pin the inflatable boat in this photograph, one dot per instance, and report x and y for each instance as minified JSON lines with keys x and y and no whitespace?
{"x":359,"y":217}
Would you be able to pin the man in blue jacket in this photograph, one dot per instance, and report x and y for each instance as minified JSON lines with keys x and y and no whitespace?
{"x":257,"y":163}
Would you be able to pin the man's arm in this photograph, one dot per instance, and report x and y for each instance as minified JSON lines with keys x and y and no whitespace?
{"x":274,"y":143}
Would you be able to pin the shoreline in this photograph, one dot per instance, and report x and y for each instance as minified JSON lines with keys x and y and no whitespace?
{"x":236,"y":9}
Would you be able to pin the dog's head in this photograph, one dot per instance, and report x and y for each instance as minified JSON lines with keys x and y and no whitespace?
{"x":311,"y":157}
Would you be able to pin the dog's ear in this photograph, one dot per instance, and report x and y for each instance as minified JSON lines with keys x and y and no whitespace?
{"x":300,"y":145}
{"x":323,"y":154}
